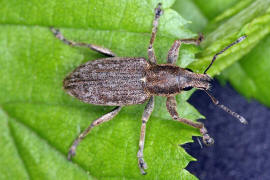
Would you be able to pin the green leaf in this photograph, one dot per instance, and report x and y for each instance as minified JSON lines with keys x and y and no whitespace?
{"x":25,"y":155}
{"x":39,"y":121}
{"x":253,"y":20}
{"x":213,"y":8}
{"x":251,"y":76}
{"x":191,"y":12}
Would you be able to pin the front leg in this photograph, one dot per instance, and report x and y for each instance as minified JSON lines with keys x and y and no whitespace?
{"x":174,"y":51}
{"x":171,"y":106}
{"x":151,"y":52}
{"x":146,"y":114}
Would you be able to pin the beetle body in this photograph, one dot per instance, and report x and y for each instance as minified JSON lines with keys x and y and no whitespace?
{"x":126,"y":81}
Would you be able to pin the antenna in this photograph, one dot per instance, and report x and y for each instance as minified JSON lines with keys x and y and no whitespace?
{"x":214,"y":58}
{"x":216,"y":102}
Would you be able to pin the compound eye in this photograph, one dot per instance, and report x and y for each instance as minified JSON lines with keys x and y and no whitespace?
{"x":187,"y":88}
{"x":188,"y":70}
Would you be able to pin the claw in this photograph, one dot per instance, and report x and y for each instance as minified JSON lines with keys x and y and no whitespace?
{"x":158,"y":11}
{"x":71,"y":153}
{"x":200,"y":38}
{"x":207,"y":140}
{"x":72,"y":150}
{"x":142,"y":166}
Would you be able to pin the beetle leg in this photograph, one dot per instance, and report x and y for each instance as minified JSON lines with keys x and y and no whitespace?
{"x":102,"y":119}
{"x":96,"y":48}
{"x":146,"y":114}
{"x":174,"y":51}
{"x":151,"y":52}
{"x":171,"y":106}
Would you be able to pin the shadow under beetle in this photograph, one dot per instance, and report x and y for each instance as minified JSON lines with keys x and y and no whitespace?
{"x":121,"y":81}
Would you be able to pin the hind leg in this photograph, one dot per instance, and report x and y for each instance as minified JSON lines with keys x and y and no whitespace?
{"x":102,"y":119}
{"x":94,"y":47}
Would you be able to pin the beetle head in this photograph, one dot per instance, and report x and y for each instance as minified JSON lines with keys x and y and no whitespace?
{"x":188,"y":80}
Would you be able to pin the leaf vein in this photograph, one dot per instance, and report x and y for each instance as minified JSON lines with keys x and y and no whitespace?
{"x":41,"y":137}
{"x":17,"y":148}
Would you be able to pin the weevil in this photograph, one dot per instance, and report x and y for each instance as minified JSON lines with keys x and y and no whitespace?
{"x":122,"y":81}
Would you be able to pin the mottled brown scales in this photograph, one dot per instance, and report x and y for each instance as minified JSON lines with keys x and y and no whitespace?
{"x":121,"y":81}
{"x":112,"y":81}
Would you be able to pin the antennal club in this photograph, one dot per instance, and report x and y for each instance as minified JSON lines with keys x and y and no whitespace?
{"x":214,"y":58}
{"x":234,"y":114}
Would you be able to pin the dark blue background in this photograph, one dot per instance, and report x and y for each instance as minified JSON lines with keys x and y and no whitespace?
{"x":240,"y":151}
